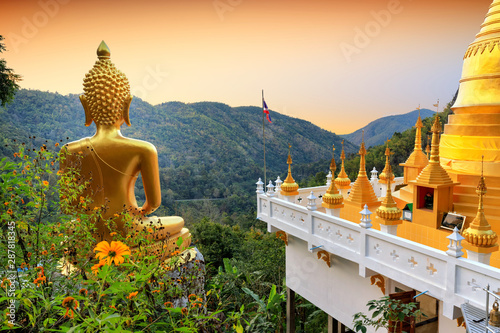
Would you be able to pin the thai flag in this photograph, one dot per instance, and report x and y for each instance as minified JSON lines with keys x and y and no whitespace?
{"x":266,"y":110}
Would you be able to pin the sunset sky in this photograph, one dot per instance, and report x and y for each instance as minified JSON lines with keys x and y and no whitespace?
{"x":339,"y":64}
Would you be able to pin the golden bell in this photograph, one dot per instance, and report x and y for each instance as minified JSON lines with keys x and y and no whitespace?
{"x":495,"y":315}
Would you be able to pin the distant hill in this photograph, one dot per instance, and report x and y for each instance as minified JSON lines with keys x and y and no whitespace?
{"x":379,"y":130}
{"x":205,"y":149}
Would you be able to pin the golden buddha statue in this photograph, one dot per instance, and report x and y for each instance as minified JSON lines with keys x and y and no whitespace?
{"x":111,"y":163}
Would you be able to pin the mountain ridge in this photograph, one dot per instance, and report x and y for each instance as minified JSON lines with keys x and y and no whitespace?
{"x":377,"y":131}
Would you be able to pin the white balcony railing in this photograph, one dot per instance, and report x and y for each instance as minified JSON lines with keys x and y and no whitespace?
{"x":452,"y":280}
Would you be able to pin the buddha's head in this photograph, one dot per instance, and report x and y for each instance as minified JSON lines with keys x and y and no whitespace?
{"x":106,"y":99}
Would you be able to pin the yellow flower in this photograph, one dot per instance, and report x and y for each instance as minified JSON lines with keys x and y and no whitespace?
{"x":112,"y":252}
{"x":45,"y":183}
{"x":132,"y":294}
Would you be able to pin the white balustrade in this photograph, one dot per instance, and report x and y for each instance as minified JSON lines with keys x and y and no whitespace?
{"x":446,"y":275}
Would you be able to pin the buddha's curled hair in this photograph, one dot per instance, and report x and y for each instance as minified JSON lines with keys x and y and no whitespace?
{"x":106,"y":90}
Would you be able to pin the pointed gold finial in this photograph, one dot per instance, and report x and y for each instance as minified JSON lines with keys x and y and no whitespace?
{"x":342,"y":181}
{"x":103,"y":51}
{"x":333,"y":166}
{"x":479,"y":233}
{"x":289,"y":186}
{"x":387,"y":174}
{"x":428,"y":148}
{"x":332,"y":199}
{"x":388,"y":210}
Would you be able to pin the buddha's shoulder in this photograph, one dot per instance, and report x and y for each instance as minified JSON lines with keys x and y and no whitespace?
{"x":140,"y":145}
{"x":74,"y":146}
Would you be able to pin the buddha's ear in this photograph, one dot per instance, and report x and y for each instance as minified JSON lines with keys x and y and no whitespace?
{"x":88,"y":115}
{"x":126,"y":109}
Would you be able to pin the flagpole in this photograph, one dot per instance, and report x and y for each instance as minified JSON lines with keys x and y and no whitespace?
{"x":264,"y":136}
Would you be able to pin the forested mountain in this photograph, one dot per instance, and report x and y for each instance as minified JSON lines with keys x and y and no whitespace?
{"x":377,"y":132}
{"x":206,"y":149}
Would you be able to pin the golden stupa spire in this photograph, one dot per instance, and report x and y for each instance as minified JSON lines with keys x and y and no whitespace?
{"x":342,"y":180}
{"x":417,"y":158}
{"x":332,"y":198}
{"x":362,"y":190}
{"x":388,"y":210}
{"x":385,"y":175}
{"x":434,"y":173}
{"x":479,"y":232}
{"x":289,"y":186}
{"x":428,"y":148}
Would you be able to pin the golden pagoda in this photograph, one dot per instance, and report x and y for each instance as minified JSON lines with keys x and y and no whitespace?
{"x":388,"y":213}
{"x":473,"y":130}
{"x":289,"y":187}
{"x":433,"y":192}
{"x":362,"y":192}
{"x":417,"y":160}
{"x":342,"y":181}
{"x":479,"y":236}
{"x":332,"y":199}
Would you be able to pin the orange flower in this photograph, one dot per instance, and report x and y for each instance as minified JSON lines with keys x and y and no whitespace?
{"x":96,"y":267}
{"x":112,"y":234}
{"x":184,"y":311}
{"x":56,"y":144}
{"x":116,"y":215}
{"x":44,"y":252}
{"x":69,"y":303}
{"x":150,"y":230}
{"x":112,"y":252}
{"x":6,"y":203}
{"x":45,"y":183}
{"x":132,"y":294}
{"x":22,"y":201}
{"x":192,"y":297}
{"x":14,"y":172}
{"x":40,"y":279}
{"x":3,"y":284}
{"x":112,"y":306}
{"x":9,"y":211}
{"x":168,"y":304}
{"x":83,"y":292}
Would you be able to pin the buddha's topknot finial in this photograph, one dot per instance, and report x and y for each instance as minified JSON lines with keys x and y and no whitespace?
{"x":103,"y":51}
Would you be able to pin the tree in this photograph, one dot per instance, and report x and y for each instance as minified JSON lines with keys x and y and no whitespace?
{"x":8,"y":79}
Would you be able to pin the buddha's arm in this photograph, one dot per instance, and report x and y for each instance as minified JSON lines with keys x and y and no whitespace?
{"x":150,"y":180}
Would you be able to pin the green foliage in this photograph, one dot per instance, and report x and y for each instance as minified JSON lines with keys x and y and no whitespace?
{"x":387,"y":313}
{"x":8,"y":79}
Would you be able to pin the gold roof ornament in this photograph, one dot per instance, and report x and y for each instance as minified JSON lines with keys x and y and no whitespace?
{"x":342,"y":180}
{"x":362,"y":190}
{"x":388,"y":210}
{"x":332,"y":199}
{"x":289,"y":186}
{"x":479,"y":233}
{"x":428,"y":148}
{"x":433,"y":173}
{"x":386,"y":174}
{"x":417,"y":157}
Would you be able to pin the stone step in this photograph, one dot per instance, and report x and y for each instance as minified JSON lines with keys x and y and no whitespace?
{"x":474,"y":180}
{"x":474,"y":199}
{"x":469,"y":189}
{"x":471,"y":209}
